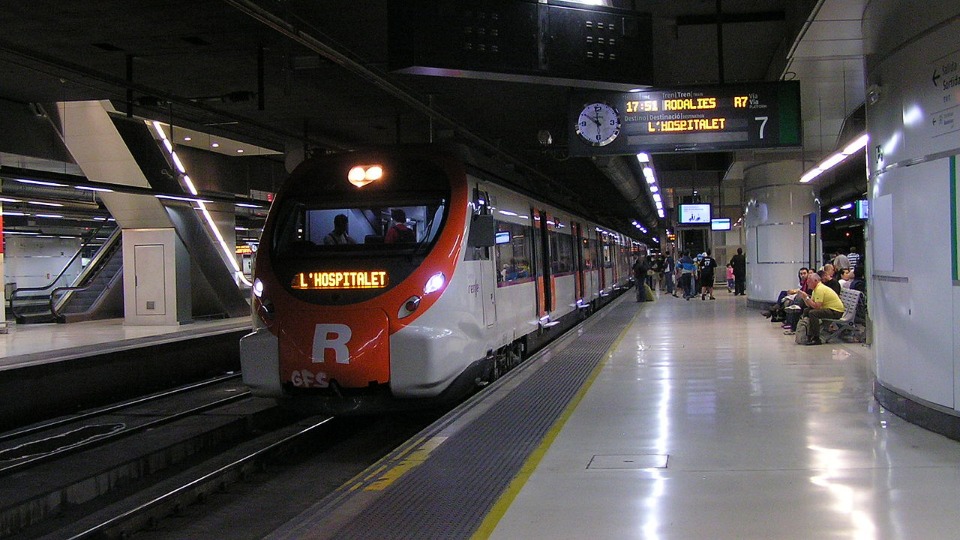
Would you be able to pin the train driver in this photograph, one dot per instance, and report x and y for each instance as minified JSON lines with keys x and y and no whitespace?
{"x":339,"y":234}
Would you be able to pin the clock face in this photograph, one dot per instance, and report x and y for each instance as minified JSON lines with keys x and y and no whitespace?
{"x":598,"y":124}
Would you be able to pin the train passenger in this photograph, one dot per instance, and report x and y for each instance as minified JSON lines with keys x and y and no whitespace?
{"x":828,"y":275}
{"x":339,"y":234}
{"x":708,"y":266}
{"x":846,"y":278}
{"x":640,"y":268}
{"x":669,"y":267}
{"x":687,"y":268}
{"x":739,"y":264}
{"x":823,"y":304}
{"x":399,"y":232}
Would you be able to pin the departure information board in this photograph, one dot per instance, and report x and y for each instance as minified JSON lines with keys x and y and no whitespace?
{"x":691,"y":119}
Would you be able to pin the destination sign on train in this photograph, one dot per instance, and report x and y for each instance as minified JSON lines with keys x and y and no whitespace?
{"x":364,"y":279}
{"x":692,"y":119}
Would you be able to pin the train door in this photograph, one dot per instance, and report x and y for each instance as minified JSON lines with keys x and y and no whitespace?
{"x":577,"y":238}
{"x":542,"y":264}
{"x":488,"y":271}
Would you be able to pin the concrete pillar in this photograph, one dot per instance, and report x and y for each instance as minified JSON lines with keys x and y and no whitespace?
{"x":779,"y":211}
{"x":913,"y":231}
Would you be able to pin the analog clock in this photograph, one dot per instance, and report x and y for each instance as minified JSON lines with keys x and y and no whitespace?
{"x":598,"y":124}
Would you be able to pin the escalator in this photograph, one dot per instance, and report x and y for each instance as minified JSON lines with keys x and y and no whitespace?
{"x":97,"y":293}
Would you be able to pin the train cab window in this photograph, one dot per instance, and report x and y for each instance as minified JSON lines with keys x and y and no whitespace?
{"x":512,"y":253}
{"x":401,"y":227}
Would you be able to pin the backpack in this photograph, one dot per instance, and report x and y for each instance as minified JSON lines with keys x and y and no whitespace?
{"x":801,"y":332}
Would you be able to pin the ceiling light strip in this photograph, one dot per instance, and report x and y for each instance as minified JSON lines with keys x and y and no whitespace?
{"x":203,"y":207}
{"x":836,"y":158}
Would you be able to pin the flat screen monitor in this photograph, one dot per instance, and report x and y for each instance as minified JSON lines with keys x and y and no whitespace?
{"x":694,"y":214}
{"x":502,"y":237}
{"x":863,"y":209}
{"x":720,"y":224}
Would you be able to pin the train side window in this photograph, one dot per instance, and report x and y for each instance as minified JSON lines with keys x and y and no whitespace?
{"x":561,"y":253}
{"x":512,"y":252}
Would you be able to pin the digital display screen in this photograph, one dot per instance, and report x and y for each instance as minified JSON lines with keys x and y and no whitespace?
{"x":340,"y":280}
{"x":503,"y":237}
{"x":863,"y":209}
{"x":704,"y":118}
{"x":720,"y":224}
{"x":694,"y":214}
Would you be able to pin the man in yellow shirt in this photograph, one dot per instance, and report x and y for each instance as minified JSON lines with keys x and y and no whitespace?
{"x":823,"y":302}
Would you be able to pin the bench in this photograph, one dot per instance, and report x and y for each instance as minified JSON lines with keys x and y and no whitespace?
{"x":835,"y":328}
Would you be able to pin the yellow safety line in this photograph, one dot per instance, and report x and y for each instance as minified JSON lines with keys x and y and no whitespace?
{"x":506,"y":499}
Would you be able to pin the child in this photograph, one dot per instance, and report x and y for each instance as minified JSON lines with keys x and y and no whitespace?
{"x":729,"y":278}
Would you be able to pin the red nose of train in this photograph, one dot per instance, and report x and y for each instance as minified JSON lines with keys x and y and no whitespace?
{"x":349,"y":346}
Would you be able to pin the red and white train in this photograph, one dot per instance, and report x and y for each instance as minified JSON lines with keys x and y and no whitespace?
{"x":380,"y":320}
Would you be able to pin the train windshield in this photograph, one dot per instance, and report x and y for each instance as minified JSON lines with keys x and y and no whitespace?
{"x":411,"y":226}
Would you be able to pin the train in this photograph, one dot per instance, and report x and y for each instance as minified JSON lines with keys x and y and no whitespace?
{"x":351,"y":316}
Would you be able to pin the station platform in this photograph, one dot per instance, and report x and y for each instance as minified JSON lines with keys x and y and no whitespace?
{"x":667,"y":419}
{"x":52,"y":369}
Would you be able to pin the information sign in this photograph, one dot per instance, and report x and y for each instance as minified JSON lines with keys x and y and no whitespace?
{"x":697,"y":119}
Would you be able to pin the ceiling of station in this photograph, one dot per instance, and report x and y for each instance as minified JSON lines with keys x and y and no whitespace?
{"x":277,"y":75}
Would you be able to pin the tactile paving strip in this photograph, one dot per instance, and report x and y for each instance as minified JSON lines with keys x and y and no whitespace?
{"x":450,"y":494}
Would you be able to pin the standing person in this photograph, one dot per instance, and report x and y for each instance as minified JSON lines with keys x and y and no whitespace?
{"x":730,"y":278}
{"x":640,"y":277}
{"x":841,"y":262}
{"x":708,"y":267}
{"x":687,"y":269}
{"x":739,"y":264}
{"x":668,"y":270}
{"x":339,"y":234}
{"x":399,"y":232}
{"x":853,"y":257}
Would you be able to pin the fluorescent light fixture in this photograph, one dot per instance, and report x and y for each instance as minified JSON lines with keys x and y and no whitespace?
{"x":810,"y":175}
{"x":660,"y":212}
{"x":847,"y":206}
{"x":833,"y":210}
{"x":654,"y":188}
{"x":51,"y":216}
{"x":648,"y":174}
{"x":841,"y":218}
{"x":177,"y":162}
{"x":7,"y":199}
{"x":39,"y":183}
{"x":15,"y":214}
{"x":643,"y":158}
{"x":657,"y":197}
{"x":858,"y":144}
{"x":247,"y":205}
{"x":826,"y":221}
{"x":89,"y":188}
{"x":831,"y":161}
{"x":41,"y":203}
{"x":159,"y":129}
{"x":175,"y":198}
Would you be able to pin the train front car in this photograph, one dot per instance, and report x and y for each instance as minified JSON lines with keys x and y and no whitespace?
{"x":355,"y":249}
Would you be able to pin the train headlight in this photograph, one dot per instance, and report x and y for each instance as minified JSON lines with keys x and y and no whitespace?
{"x":257,"y":288}
{"x":408,"y":307}
{"x":362,"y":175}
{"x":435,"y":283}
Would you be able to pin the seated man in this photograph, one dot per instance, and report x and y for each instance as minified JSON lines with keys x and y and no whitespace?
{"x":823,"y":304}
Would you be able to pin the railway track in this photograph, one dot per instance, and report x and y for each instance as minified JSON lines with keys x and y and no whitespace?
{"x":138,"y":465}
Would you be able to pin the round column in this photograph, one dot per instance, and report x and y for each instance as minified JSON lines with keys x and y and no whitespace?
{"x":778,"y":218}
{"x":913,"y":230}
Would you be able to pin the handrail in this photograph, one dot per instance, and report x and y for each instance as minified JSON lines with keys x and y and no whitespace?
{"x":15,"y":292}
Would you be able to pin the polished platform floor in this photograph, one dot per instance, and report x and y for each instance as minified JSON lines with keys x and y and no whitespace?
{"x":705,"y":421}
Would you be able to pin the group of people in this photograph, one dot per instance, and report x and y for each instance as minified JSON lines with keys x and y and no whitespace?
{"x":692,"y":275}
{"x":817,"y":296}
{"x":398,"y":231}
